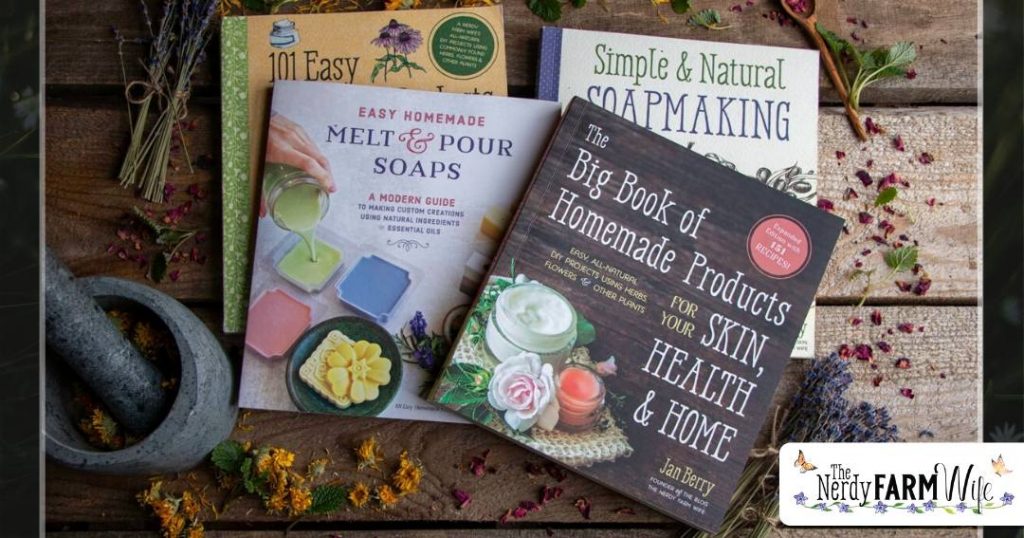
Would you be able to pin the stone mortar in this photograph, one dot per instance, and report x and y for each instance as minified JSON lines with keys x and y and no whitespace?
{"x":203,"y":412}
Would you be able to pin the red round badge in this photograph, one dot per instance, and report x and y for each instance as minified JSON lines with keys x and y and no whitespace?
{"x":779,"y":246}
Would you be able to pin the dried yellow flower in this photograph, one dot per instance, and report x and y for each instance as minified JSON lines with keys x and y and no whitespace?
{"x":282,"y":458}
{"x":301,"y":499}
{"x":408,"y":475}
{"x":359,"y":495}
{"x":189,"y":505}
{"x":316,"y":468}
{"x":387,"y":496}
{"x":173,"y":528}
{"x":277,"y":502}
{"x":263,"y":463}
{"x":369,"y":455}
{"x":394,"y":5}
{"x":195,"y":531}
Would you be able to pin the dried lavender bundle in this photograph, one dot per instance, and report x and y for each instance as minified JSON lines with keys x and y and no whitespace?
{"x":818,"y":413}
{"x":176,"y":49}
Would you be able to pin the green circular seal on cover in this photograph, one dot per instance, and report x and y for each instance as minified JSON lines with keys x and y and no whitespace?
{"x":463,"y":46}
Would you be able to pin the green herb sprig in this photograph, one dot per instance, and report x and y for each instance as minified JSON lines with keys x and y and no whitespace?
{"x":858,"y":69}
{"x":171,"y":238}
{"x":898,"y":260}
{"x":708,"y":18}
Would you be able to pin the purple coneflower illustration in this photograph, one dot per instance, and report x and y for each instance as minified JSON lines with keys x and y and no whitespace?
{"x":398,"y":41}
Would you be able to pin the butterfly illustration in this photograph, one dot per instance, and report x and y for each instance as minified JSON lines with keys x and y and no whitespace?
{"x":804,"y":465}
{"x":999,"y":466}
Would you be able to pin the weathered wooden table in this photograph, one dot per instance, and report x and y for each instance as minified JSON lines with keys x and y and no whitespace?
{"x":936,"y":112}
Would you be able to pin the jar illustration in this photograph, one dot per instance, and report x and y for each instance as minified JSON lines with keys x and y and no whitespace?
{"x":534,"y":318}
{"x":284,"y":34}
{"x":580,"y":392}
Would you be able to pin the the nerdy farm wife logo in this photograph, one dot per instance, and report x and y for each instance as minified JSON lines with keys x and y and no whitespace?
{"x":900,"y":484}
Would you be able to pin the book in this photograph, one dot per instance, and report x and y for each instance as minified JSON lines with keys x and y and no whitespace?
{"x":639,"y":314}
{"x":359,"y":289}
{"x":446,"y":50}
{"x":752,"y":108}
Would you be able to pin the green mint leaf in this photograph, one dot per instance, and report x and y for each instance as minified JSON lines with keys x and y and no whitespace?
{"x":227,"y":456}
{"x":708,"y":18}
{"x":886,"y":196}
{"x":836,"y":44}
{"x":901,"y":259}
{"x":327,"y":498}
{"x":680,"y":6}
{"x":902,"y":54}
{"x":153,"y":225}
{"x":585,"y":332}
{"x":549,"y":10}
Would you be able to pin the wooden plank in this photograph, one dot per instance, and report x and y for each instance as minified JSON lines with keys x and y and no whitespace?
{"x":947,"y":231}
{"x":85,"y":205}
{"x":515,"y":532}
{"x":946,"y":407}
{"x":81,"y":50}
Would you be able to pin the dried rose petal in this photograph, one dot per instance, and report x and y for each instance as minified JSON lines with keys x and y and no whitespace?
{"x":174,"y":275}
{"x":871,"y":126}
{"x":519,"y":512}
{"x":556,"y":472}
{"x":877,"y":380}
{"x":925,"y":158}
{"x":887,"y":227}
{"x":903,"y":363}
{"x":904,"y":286}
{"x":845,"y":352}
{"x":462,"y":497}
{"x":865,"y":218}
{"x":907,"y":393}
{"x":169,"y":190}
{"x":505,"y":517}
{"x":922,"y":286}
{"x":863,"y":352}
{"x":876,"y":317}
{"x":856,"y":321}
{"x":898,"y":143}
{"x":825,"y":204}
{"x":583,"y":505}
{"x":864,"y":177}
{"x":736,"y":9}
{"x":870,"y":163}
{"x":888,"y":181}
{"x":850,"y":194}
{"x":911,"y":74}
{"x":942,"y":375}
{"x":625,"y":511}
{"x":529,"y":506}
{"x":534,"y":469}
{"x":931,"y":202}
{"x":884,"y":346}
{"x":550,"y":493}
{"x":905,"y":327}
{"x":840,"y":155}
{"x":478,"y":464}
{"x":865,"y":252}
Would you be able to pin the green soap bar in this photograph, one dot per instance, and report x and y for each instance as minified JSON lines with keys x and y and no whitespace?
{"x":297,"y":266}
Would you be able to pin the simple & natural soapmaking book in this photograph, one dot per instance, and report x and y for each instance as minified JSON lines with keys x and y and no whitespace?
{"x":751,"y":108}
{"x":639,"y":314}
{"x":358,"y":290}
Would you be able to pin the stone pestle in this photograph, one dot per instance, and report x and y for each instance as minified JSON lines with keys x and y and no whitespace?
{"x":80,"y":333}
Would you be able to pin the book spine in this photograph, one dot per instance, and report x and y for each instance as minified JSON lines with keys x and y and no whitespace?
{"x":236,"y":194}
{"x":550,"y":63}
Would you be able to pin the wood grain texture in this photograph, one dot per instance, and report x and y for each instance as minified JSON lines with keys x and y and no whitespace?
{"x":81,"y":50}
{"x":945,"y":407}
{"x":513,"y":532}
{"x":85,"y":206}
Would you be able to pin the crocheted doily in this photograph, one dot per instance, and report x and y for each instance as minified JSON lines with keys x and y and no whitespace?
{"x":604,"y":443}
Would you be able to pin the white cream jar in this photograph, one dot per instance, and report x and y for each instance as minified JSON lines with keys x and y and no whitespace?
{"x":534,"y":318}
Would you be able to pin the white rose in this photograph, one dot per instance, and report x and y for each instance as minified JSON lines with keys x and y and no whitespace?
{"x":523,"y":387}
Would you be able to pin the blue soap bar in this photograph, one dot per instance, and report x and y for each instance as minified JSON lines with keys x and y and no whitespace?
{"x":374,"y":286}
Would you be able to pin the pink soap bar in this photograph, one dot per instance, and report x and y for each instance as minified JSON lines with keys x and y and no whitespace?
{"x":276,"y":320}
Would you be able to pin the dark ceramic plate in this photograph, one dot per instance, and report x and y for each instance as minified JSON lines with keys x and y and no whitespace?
{"x":309,"y":400}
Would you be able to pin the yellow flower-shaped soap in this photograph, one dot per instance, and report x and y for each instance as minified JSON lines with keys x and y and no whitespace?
{"x":357,"y":371}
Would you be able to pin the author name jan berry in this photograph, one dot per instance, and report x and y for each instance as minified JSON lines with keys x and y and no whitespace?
{"x":686,"y":476}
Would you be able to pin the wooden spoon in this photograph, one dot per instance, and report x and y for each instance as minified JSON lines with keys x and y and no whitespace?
{"x":807,"y":21}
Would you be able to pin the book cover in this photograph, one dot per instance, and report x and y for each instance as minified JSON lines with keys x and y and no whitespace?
{"x":359,"y":287}
{"x":751,"y":108}
{"x":445,"y":50}
{"x":639,"y":314}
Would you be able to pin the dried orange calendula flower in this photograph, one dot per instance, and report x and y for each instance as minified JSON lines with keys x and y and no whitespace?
{"x":277,"y":502}
{"x":189,"y":505}
{"x":359,"y":495}
{"x":368,"y":454}
{"x":282,"y":458}
{"x":387,"y":496}
{"x":195,"y":531}
{"x":316,"y":468}
{"x":300,"y":499}
{"x":408,"y":475}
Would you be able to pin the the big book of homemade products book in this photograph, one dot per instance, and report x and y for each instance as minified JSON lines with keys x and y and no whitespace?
{"x":357,"y":291}
{"x":750,"y":108}
{"x":639,"y":315}
{"x":445,"y":50}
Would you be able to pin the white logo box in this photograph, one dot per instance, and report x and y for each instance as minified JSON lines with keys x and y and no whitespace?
{"x":901,"y":484}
